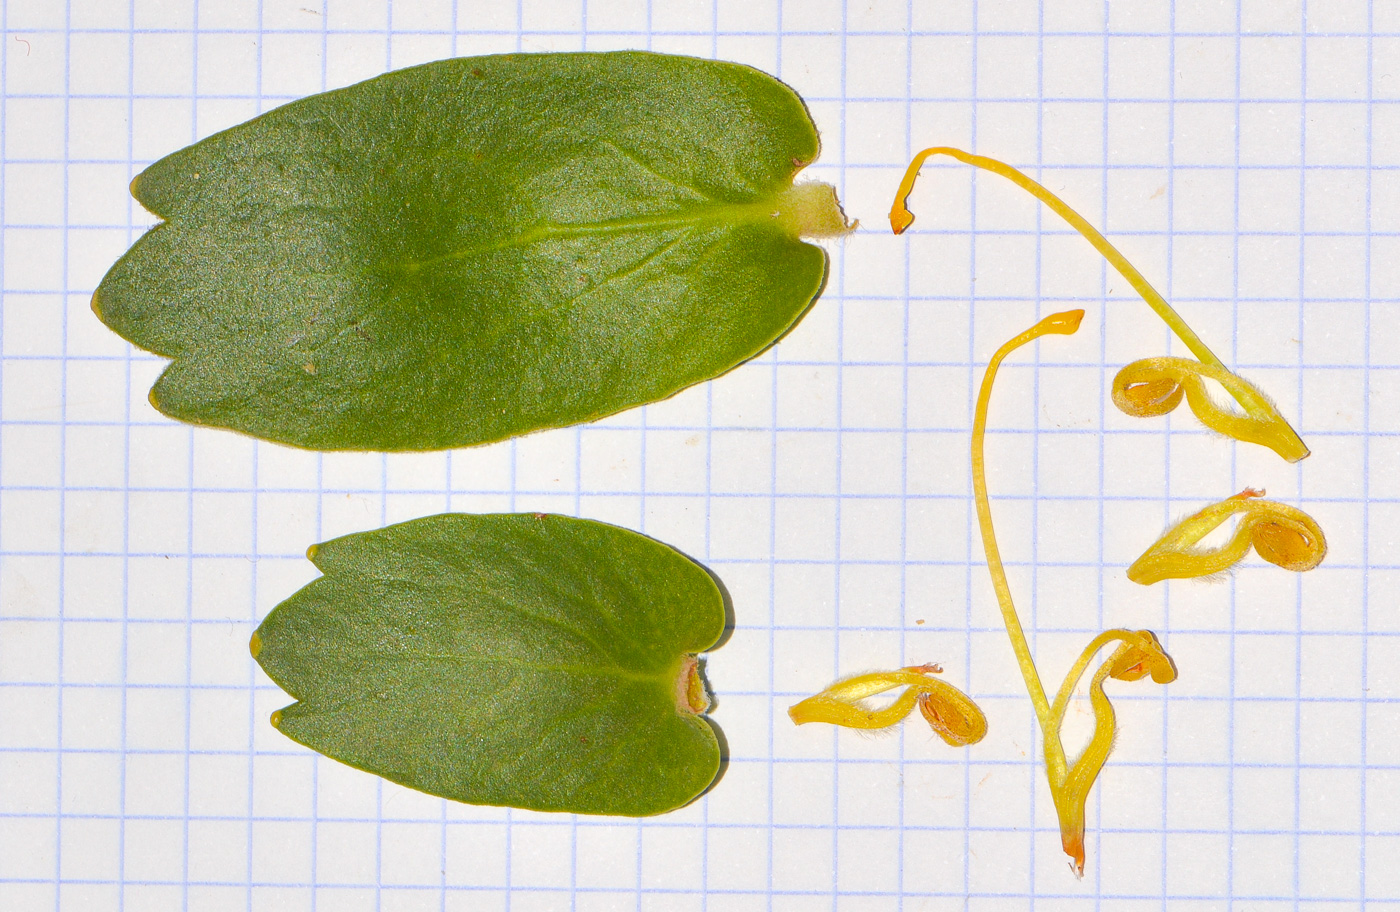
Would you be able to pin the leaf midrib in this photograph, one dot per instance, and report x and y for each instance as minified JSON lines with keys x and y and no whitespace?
{"x":722,"y":215}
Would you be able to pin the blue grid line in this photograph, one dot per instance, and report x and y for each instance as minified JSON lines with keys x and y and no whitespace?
{"x":905,"y":284}
{"x":62,"y":503}
{"x":1069,"y":166}
{"x":578,"y":510}
{"x":926,"y":99}
{"x":893,"y":827}
{"x":142,"y":357}
{"x":1171,"y":425}
{"x":1302,"y":342}
{"x":836,"y":614}
{"x":681,"y":891}
{"x":189,"y":564}
{"x":383,"y":521}
{"x":969,"y":507}
{"x":1100,"y":456}
{"x":792,"y":429}
{"x":1033,"y":601}
{"x":1363,"y":819}
{"x":514,"y":455}
{"x":810,"y":761}
{"x":126,"y":479}
{"x":723,"y":33}
{"x":1234,"y":477}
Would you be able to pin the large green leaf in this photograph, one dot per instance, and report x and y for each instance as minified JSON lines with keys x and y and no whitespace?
{"x":514,"y":659}
{"x":475,"y":248}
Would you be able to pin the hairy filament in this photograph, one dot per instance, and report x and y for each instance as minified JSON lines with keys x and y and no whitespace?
{"x":1155,"y":386}
{"x":1062,"y":324}
{"x":1281,"y":535}
{"x":949,"y":712}
{"x":1138,"y":655}
{"x":1261,"y":423}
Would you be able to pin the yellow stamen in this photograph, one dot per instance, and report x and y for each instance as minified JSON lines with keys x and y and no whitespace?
{"x":1281,"y":534}
{"x":950,"y":713}
{"x":1263,"y":424}
{"x":1140,"y":654}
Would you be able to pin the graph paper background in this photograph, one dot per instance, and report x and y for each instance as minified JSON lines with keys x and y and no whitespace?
{"x":1246,"y":157}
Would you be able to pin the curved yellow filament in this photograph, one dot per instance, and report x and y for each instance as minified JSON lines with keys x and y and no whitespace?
{"x":950,"y":713}
{"x":1138,"y":655}
{"x":1264,"y":424}
{"x":1279,"y":533}
{"x":1065,"y":323}
{"x":1155,"y":386}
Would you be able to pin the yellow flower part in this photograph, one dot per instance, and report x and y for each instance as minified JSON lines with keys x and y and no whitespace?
{"x":949,"y":712}
{"x":1138,"y":655}
{"x":1154,"y":382}
{"x":1281,"y":534}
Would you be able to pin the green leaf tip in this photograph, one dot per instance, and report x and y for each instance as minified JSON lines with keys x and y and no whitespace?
{"x":527,"y":660}
{"x":476,"y":248}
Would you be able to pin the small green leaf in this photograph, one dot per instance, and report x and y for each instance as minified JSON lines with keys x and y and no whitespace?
{"x":526,"y":660}
{"x":475,"y":248}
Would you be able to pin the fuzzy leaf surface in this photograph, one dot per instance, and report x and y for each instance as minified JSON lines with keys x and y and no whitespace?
{"x":526,"y":660}
{"x":475,"y":248}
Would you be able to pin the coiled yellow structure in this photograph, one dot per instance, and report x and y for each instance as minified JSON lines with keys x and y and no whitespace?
{"x":949,"y":712}
{"x":1280,"y":534}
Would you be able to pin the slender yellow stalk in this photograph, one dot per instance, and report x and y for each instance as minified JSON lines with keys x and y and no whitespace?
{"x":1261,"y":423}
{"x":901,"y":218}
{"x":1139,"y":653}
{"x":1065,"y":323}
